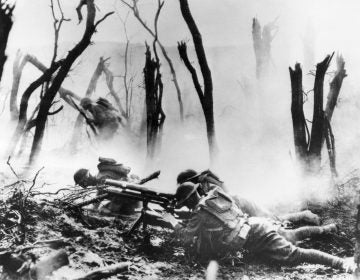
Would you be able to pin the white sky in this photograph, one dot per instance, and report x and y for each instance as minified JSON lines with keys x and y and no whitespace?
{"x":221,"y":22}
{"x":225,"y":22}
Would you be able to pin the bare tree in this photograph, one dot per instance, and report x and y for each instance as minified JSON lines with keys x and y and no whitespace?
{"x":308,"y":145}
{"x":132,"y":4}
{"x":297,"y":112}
{"x":205,"y":95}
{"x":155,"y":115}
{"x":262,"y":38}
{"x":48,"y":97}
{"x":25,"y":124}
{"x":5,"y":26}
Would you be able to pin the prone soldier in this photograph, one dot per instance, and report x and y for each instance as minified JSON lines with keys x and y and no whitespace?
{"x":218,"y":226}
{"x":208,"y":181}
{"x":109,"y":169}
{"x":103,"y":115}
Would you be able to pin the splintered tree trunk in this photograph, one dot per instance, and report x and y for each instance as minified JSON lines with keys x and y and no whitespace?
{"x":155,"y":116}
{"x":308,"y":145}
{"x":262,"y":38}
{"x":335,"y":86}
{"x":318,"y":122}
{"x":46,"y":101}
{"x":5,"y":27}
{"x":205,"y":95}
{"x":297,"y":112}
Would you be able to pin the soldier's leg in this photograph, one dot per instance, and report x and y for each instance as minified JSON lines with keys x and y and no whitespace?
{"x":305,"y":216}
{"x":278,"y":249}
{"x":294,"y":235}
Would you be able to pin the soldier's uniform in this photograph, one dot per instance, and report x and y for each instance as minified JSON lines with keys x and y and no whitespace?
{"x":110,"y":169}
{"x":208,"y":181}
{"x":104,"y":116}
{"x":218,"y":226}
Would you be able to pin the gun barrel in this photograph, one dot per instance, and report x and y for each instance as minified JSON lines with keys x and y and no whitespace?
{"x":136,"y":187}
{"x":139,"y":197}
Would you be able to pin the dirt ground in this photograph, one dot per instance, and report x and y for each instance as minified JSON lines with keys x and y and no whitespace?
{"x":92,"y":241}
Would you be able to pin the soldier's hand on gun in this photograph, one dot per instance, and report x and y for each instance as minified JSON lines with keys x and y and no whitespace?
{"x":170,"y":219}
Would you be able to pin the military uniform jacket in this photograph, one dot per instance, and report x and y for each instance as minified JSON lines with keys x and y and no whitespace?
{"x":216,"y":225}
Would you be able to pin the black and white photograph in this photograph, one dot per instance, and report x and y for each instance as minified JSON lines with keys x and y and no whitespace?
{"x":179,"y":139}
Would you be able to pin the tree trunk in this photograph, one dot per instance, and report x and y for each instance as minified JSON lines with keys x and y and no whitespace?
{"x":155,"y":116}
{"x":297,"y":112}
{"x":318,"y":123}
{"x":206,"y":95}
{"x":262,"y":38}
{"x":154,"y":34}
{"x":5,"y":27}
{"x":335,"y":86}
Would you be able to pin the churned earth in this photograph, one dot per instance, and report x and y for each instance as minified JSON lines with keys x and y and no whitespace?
{"x":92,"y":241}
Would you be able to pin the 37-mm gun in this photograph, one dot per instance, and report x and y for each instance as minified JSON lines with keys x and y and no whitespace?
{"x":114,"y":188}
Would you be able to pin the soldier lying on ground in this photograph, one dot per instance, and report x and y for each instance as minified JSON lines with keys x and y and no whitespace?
{"x":218,"y":226}
{"x":103,"y":115}
{"x":208,"y":181}
{"x":109,"y":169}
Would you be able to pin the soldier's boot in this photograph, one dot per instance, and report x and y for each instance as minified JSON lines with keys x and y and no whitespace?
{"x":305,"y":216}
{"x":294,"y":235}
{"x":318,"y":257}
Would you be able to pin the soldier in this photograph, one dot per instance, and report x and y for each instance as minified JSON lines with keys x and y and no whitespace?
{"x":218,"y":226}
{"x":208,"y":181}
{"x":103,"y":115}
{"x":109,"y":169}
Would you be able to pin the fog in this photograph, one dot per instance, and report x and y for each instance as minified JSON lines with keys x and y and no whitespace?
{"x":252,"y":118}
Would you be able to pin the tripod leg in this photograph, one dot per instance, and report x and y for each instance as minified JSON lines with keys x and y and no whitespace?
{"x":136,"y":224}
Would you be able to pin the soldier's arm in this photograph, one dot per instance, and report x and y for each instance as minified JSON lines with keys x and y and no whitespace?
{"x":187,"y":233}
